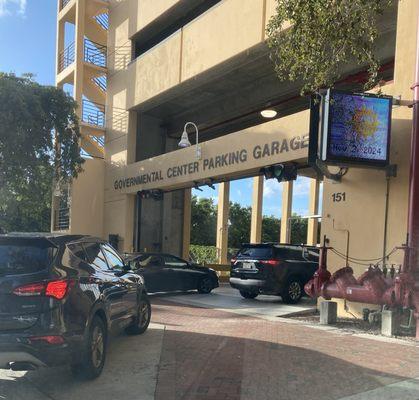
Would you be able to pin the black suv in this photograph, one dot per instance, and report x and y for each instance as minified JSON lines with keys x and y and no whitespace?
{"x":60,"y":296}
{"x":276,"y":269}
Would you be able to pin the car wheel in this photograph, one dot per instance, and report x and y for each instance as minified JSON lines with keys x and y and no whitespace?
{"x":293,"y":291}
{"x":205,"y":286}
{"x":94,"y":352}
{"x":142,"y":321}
{"x":248,"y":295}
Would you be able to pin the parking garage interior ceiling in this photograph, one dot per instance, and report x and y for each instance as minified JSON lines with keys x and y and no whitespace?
{"x":229,"y":97}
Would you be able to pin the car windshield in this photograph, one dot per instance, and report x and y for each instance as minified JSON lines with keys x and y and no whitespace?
{"x":18,"y":259}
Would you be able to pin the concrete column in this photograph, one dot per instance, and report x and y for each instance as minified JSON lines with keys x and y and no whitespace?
{"x":79,"y":54}
{"x":313,"y":209}
{"x":127,"y":240}
{"x":186,"y":240}
{"x":222,"y":221}
{"x":286,"y":212}
{"x":257,"y":205}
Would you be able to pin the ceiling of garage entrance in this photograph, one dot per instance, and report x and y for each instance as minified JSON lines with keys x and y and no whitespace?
{"x":229,"y":97}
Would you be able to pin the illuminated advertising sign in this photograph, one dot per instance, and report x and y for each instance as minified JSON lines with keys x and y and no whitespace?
{"x":356,"y":129}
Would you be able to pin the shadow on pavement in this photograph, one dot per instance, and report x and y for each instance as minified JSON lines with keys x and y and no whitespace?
{"x":199,"y":366}
{"x":130,"y":373}
{"x":204,"y":359}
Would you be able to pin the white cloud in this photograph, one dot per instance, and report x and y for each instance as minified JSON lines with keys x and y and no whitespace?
{"x":301,"y":187}
{"x":10,"y":7}
{"x":272,"y":189}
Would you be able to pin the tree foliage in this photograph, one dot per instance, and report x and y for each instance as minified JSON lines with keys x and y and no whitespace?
{"x":31,"y":116}
{"x":203,"y":221}
{"x":323,"y":36}
{"x":204,"y":225}
{"x":239,"y":229}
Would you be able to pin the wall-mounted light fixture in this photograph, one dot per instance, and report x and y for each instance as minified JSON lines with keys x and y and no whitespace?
{"x":184,"y":140}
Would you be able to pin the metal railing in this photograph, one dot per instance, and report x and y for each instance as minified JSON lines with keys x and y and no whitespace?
{"x":100,"y":140}
{"x":64,"y":3}
{"x":103,"y":20}
{"x":66,"y":57}
{"x":62,"y":219}
{"x":101,"y":82}
{"x":95,"y":53}
{"x":93,"y":113}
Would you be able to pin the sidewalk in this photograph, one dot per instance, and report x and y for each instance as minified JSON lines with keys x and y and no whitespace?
{"x":201,"y":353}
{"x":211,"y":354}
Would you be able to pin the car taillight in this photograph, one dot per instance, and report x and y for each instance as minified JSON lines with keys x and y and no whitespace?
{"x":33,"y":289}
{"x":270,"y":262}
{"x":56,"y":289}
{"x":48,"y":339}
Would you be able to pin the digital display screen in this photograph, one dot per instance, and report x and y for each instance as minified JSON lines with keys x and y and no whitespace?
{"x":357,"y":128}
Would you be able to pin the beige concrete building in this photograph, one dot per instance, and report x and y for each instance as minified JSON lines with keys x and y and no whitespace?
{"x":141,"y":69}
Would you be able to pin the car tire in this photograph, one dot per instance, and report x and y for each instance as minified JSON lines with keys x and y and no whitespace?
{"x":142,"y":321}
{"x":248,"y":295}
{"x":94,"y":352}
{"x":293,"y":291}
{"x":205,"y":285}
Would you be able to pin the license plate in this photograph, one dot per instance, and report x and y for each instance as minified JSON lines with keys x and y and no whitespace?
{"x":248,"y":265}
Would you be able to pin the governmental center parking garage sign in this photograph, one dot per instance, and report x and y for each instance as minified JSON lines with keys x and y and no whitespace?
{"x":356,"y":129}
{"x":232,"y":156}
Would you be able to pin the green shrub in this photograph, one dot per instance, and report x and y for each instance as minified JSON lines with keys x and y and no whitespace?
{"x":207,"y":254}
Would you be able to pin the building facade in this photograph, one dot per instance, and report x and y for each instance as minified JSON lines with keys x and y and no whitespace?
{"x":141,"y":69}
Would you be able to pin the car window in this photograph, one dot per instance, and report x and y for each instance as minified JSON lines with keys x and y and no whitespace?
{"x":148,"y":261}
{"x":24,"y":258}
{"x":289,"y":253}
{"x":172,"y":261}
{"x":114,"y":261}
{"x":256,"y":252}
{"x":95,"y":255}
{"x":78,"y":251}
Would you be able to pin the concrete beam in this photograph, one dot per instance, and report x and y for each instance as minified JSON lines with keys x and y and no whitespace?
{"x":222,"y":221}
{"x":257,"y":205}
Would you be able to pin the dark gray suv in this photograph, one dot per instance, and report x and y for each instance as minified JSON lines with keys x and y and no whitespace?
{"x":275,"y":269}
{"x":60,"y":297}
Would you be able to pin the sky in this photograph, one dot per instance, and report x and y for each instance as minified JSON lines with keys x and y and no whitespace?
{"x":241,"y":192}
{"x":27,"y":38}
{"x":27,"y":44}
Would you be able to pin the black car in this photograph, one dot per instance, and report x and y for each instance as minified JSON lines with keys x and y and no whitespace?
{"x":166,"y":273}
{"x":274,"y":269}
{"x":60,"y":296}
